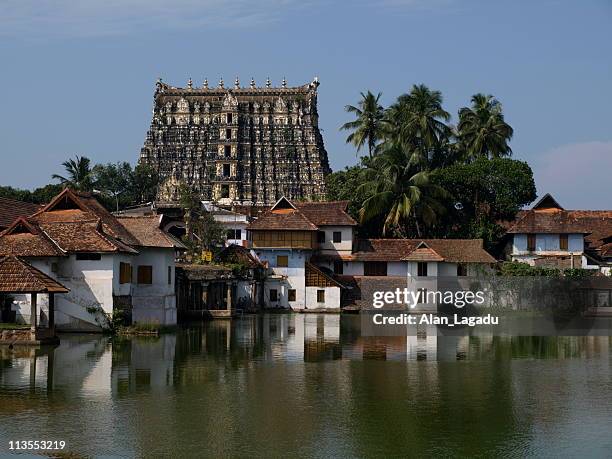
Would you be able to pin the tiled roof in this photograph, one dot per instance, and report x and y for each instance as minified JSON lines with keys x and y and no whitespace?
{"x":449,"y":250}
{"x":562,"y":221}
{"x":84,"y":237}
{"x":293,"y":220}
{"x":71,"y":206}
{"x":71,"y":222}
{"x":11,"y":209}
{"x":23,"y":238}
{"x":331,"y":213}
{"x":17,"y":276}
{"x":304,"y":216}
{"x":147,"y":232}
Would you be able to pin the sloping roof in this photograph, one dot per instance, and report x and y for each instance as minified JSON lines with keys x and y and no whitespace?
{"x":84,"y":237}
{"x":17,"y":276}
{"x":71,"y":222}
{"x":305,"y":216}
{"x":23,"y":238}
{"x":11,"y":209}
{"x":331,"y":213}
{"x":146,"y":230}
{"x":293,"y":220}
{"x":315,"y":277}
{"x":72,"y":206}
{"x":448,"y":250}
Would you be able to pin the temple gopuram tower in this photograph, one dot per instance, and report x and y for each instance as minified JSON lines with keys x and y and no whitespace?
{"x":238,"y":145}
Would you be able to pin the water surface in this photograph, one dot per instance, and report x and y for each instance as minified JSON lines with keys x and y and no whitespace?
{"x":310,"y":385}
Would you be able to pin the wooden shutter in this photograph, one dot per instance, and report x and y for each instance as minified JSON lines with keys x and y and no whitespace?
{"x":531,"y":242}
{"x":563,"y":242}
{"x":145,"y":274}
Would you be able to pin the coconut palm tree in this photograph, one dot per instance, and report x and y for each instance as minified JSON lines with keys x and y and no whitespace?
{"x":418,"y":121}
{"x":400,"y":192}
{"x":79,"y":174}
{"x":367,"y":128}
{"x":482,"y":129}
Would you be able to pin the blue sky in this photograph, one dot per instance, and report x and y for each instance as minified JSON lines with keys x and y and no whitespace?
{"x":78,"y":76}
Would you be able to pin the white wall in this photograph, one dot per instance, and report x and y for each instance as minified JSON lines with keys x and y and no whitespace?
{"x":332,"y":298}
{"x":346,"y":244}
{"x":547,"y":243}
{"x":155,"y":303}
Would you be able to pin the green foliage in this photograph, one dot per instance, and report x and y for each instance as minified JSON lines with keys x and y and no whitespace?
{"x":112,"y":184}
{"x":39,"y":196}
{"x":518,"y":269}
{"x":368,"y":126}
{"x":345,"y":186}
{"x":78,"y":174}
{"x":203,"y":231}
{"x":482,"y":194}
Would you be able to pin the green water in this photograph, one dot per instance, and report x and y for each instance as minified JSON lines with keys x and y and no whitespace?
{"x":310,"y":386}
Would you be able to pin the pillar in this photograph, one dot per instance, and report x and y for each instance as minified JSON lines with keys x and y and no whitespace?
{"x":52,"y":313}
{"x":33,"y":311}
{"x":228,"y":303}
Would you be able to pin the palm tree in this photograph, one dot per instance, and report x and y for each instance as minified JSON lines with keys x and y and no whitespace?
{"x":400,"y":192}
{"x":418,"y":121}
{"x":482,"y":129}
{"x":367,"y":128}
{"x":79,"y":174}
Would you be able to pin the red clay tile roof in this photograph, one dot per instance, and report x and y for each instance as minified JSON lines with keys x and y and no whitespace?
{"x":303,"y":216}
{"x":293,"y":220}
{"x":84,"y":237}
{"x":17,"y":276}
{"x":71,"y":206}
{"x":146,"y":230}
{"x":562,"y":221}
{"x":448,"y":250}
{"x":331,"y":213}
{"x":23,"y":238}
{"x":11,"y":209}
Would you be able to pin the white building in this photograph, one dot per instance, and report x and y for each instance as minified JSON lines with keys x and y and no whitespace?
{"x":235,"y":223}
{"x":312,"y":255}
{"x":549,"y":235}
{"x":108,"y":269}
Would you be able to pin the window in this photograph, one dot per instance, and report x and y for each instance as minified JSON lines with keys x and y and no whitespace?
{"x":375,"y":268}
{"x":229,"y":118}
{"x":225,"y":191}
{"x":422,"y":269}
{"x":169,"y":275}
{"x":228,"y":133}
{"x":462,"y":270}
{"x":562,"y":241}
{"x":321,"y":237}
{"x":282,"y":261}
{"x":145,"y":275}
{"x":88,"y":256}
{"x":273,"y":294}
{"x":320,"y":296}
{"x":338,"y":267}
{"x":337,"y":236}
{"x":292,"y":294}
{"x":531,"y":242}
{"x":125,"y":273}
{"x":422,"y":296}
{"x":234,"y":234}
{"x":226,"y":170}
{"x":228,"y":151}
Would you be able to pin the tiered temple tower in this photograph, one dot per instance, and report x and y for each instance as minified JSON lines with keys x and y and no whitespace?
{"x":239,"y":145}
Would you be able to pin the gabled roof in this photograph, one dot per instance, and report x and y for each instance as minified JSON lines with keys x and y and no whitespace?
{"x":548,"y":217}
{"x":146,"y":230}
{"x":447,"y":250}
{"x":72,"y":206}
{"x":17,"y":276}
{"x":10,"y":210}
{"x":330,"y":213}
{"x":305,"y":216}
{"x":23,"y":238}
{"x":71,"y":222}
{"x":547,"y":202}
{"x":315,"y":277}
